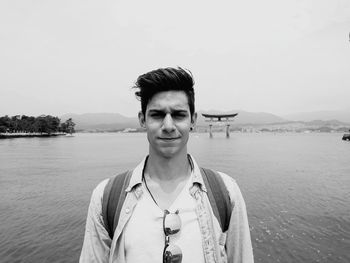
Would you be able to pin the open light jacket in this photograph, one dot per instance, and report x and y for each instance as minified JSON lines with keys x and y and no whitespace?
{"x":233,"y":246}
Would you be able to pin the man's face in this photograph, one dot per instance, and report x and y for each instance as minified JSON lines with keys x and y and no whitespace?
{"x":168,"y":122}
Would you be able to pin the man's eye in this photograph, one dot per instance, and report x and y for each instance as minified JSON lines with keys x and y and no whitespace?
{"x":179,"y":115}
{"x":157,"y":115}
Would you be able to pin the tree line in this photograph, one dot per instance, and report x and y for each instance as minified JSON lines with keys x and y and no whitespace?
{"x":44,"y":124}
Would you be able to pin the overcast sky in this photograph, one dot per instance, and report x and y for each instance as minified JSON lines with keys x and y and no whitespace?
{"x":79,"y":56}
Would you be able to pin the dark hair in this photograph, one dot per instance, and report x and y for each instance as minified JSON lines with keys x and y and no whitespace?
{"x":164,"y":79}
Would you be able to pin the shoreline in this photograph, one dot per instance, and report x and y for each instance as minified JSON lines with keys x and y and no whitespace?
{"x":29,"y":135}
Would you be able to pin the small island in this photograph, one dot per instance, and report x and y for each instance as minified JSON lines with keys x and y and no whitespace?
{"x":19,"y":126}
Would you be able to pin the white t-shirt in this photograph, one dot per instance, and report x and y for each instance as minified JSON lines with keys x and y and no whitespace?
{"x":144,"y":235}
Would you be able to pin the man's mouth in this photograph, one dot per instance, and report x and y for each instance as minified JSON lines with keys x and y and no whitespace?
{"x":169,"y":138}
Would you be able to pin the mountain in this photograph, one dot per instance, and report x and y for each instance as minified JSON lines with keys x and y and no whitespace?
{"x":243,"y":117}
{"x":101,"y":121}
{"x":116,"y":121}
{"x":341,"y":115}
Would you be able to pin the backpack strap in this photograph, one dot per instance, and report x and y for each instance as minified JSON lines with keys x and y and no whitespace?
{"x":218,"y":196}
{"x":113,"y":199}
{"x":114,"y":196}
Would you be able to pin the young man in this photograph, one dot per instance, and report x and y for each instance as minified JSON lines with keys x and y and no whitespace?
{"x":167,"y":215}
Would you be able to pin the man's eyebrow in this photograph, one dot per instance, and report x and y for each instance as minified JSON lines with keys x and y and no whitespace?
{"x":155,"y":111}
{"x":179,"y":111}
{"x":164,"y":111}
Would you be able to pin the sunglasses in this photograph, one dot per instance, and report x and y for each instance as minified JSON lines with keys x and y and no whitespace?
{"x":171,"y":225}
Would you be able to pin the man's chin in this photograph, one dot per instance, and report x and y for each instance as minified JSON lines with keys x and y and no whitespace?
{"x":168,"y":152}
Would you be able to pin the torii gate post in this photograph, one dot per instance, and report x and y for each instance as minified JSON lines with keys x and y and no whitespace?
{"x":210,"y":131}
{"x":218,"y":117}
{"x":227,"y":130}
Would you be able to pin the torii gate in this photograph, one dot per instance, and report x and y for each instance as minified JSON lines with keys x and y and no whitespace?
{"x":216,"y":118}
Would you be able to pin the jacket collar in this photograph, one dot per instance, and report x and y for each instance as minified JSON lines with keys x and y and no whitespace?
{"x":136,"y":177}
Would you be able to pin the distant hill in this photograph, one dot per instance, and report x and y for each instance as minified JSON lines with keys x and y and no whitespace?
{"x":326,"y":123}
{"x":343,"y":116}
{"x":101,"y":121}
{"x":116,"y":121}
{"x":299,"y":126}
{"x":244,"y":117}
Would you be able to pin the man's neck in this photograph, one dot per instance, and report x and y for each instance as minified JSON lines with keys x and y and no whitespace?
{"x":168,"y":169}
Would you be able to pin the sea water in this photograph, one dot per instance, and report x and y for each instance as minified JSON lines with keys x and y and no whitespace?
{"x":296,"y":188}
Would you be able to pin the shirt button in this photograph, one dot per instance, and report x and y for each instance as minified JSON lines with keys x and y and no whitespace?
{"x":127,"y":210}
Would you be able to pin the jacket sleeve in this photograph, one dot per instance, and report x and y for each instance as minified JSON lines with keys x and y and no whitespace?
{"x":96,"y":245}
{"x":238,"y":241}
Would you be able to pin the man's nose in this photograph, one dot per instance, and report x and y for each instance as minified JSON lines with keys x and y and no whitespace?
{"x":168,"y":123}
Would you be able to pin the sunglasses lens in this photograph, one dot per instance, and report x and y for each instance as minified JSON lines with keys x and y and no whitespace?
{"x":172,"y":254}
{"x":172,"y":224}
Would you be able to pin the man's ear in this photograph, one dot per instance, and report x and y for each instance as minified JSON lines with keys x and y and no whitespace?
{"x":194,"y":119}
{"x":142,"y":119}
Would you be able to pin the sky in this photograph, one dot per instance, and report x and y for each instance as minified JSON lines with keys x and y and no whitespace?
{"x":82,"y":56}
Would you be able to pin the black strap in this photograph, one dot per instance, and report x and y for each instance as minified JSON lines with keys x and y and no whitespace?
{"x":113,"y":200}
{"x":114,"y":197}
{"x":218,"y":196}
